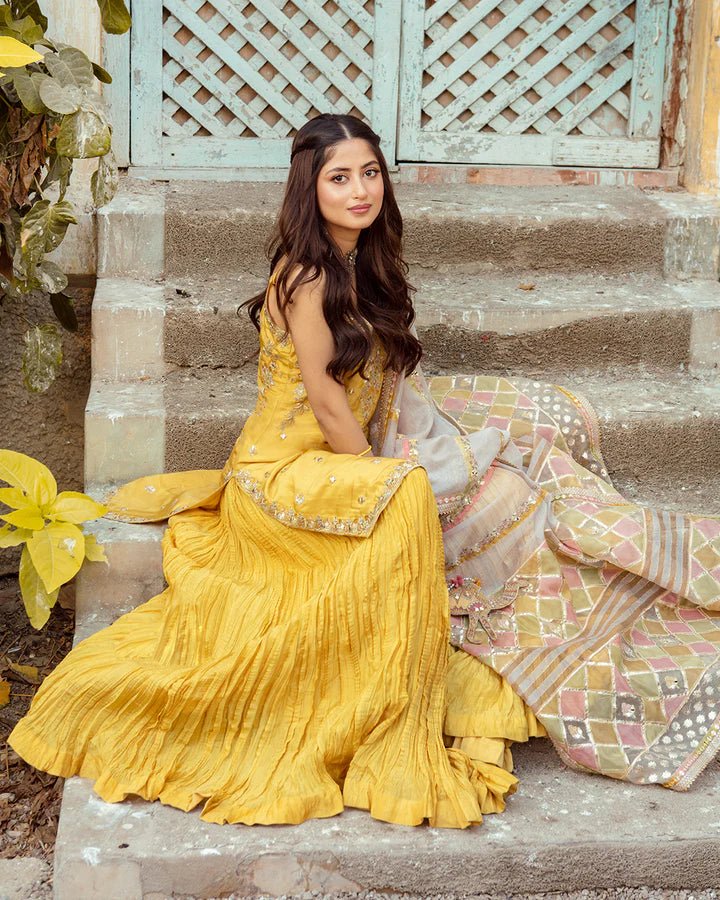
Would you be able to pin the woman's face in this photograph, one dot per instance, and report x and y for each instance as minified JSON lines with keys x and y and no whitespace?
{"x":350,"y":177}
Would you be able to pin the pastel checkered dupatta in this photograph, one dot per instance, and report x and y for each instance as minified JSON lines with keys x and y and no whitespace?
{"x":602,"y":614}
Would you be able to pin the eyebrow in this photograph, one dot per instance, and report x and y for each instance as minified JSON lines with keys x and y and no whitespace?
{"x":346,"y":169}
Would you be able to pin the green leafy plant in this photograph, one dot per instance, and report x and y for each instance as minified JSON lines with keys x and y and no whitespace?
{"x":51,"y":115}
{"x":48,"y":525}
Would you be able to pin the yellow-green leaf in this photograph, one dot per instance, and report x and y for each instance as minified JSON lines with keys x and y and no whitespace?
{"x":30,"y":517}
{"x":31,"y":476}
{"x":29,"y":673}
{"x":57,"y":553}
{"x":72,"y":506}
{"x":10,"y":537}
{"x":38,"y":601}
{"x":14,"y":53}
{"x":14,"y":497}
{"x":4,"y":693}
{"x":115,"y":16}
{"x":93,"y":551}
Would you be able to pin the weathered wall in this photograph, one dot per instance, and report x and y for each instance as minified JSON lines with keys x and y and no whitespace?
{"x":702,"y":163}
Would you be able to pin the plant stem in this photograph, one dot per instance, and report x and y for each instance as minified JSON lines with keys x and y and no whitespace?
{"x":19,"y":315}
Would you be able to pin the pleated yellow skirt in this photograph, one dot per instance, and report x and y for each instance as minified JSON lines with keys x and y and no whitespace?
{"x":282,"y":675}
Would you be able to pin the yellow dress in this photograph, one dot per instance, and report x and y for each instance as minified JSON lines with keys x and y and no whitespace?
{"x":298,"y":660}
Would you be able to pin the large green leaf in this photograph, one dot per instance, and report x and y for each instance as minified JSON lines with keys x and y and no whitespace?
{"x":114,"y":15}
{"x":27,"y":87}
{"x":21,"y":269}
{"x":82,"y":135}
{"x":42,"y":357}
{"x":37,"y":599}
{"x":10,"y":288}
{"x":59,"y":168}
{"x":58,"y":97}
{"x":52,"y":279}
{"x":25,"y":30}
{"x":43,"y":227}
{"x":102,"y":74}
{"x":70,"y":67}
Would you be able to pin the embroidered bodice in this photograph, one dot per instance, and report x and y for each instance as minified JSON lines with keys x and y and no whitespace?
{"x":283,"y":421}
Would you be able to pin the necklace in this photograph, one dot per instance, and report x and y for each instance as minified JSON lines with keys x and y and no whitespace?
{"x":350,"y":257}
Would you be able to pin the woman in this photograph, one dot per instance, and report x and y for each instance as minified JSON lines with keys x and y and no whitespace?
{"x":298,"y":660}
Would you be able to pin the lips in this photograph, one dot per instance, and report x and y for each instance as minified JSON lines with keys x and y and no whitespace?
{"x":360,"y":208}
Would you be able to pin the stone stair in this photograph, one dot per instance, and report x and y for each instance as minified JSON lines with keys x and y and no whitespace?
{"x":611,"y":292}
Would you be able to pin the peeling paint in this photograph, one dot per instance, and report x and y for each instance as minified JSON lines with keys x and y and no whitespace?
{"x":673,"y":116}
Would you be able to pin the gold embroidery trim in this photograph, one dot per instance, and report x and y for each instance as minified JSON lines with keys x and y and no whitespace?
{"x":361,"y":526}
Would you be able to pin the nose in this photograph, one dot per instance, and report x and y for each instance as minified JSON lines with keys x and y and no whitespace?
{"x":359,"y":189}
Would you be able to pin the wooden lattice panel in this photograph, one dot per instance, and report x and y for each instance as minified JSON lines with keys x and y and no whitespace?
{"x":534,"y":80}
{"x":238,"y":78}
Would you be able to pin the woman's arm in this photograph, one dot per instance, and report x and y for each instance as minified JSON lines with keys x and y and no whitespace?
{"x":315,"y":347}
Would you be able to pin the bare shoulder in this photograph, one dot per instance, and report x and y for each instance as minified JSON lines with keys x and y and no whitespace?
{"x":307,"y":296}
{"x":311,"y":285}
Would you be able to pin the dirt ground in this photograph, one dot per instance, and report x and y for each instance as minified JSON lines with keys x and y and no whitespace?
{"x":29,"y":799}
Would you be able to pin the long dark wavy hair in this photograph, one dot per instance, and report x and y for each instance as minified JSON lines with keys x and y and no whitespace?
{"x":383,"y":293}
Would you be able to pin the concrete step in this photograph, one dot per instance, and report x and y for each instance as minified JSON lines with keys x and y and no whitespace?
{"x":614,"y":835}
{"x":653,"y":428}
{"x":211,"y":229}
{"x":525,"y":323}
{"x":478,"y":229}
{"x":132,"y":576}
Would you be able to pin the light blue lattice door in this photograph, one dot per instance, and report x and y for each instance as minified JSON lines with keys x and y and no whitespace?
{"x":223,"y":84}
{"x":533,"y":82}
{"x":226,"y":83}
